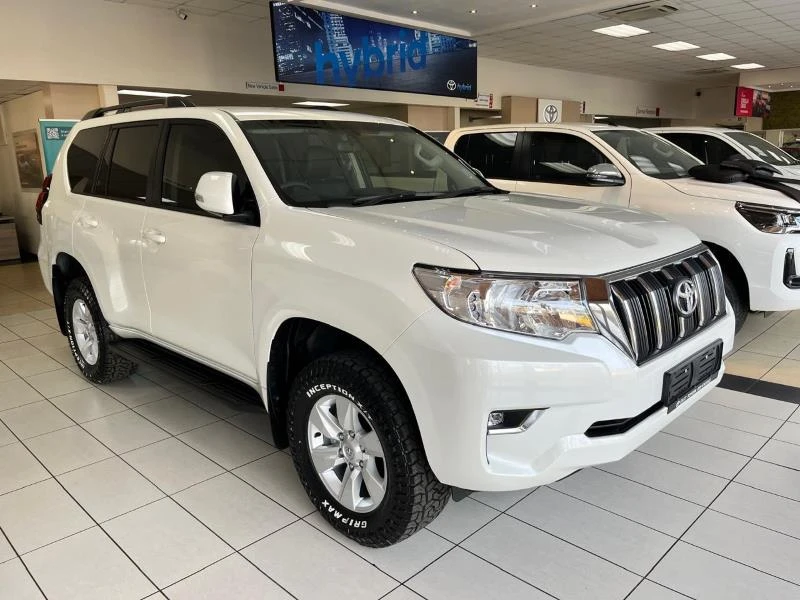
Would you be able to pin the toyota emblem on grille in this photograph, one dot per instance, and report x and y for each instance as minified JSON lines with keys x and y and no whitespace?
{"x":684,"y":297}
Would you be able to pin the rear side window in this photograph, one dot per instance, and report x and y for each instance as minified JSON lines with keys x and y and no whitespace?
{"x":491,"y":153}
{"x":82,"y":157}
{"x":131,"y":161}
{"x":690,"y":142}
{"x":193,"y":150}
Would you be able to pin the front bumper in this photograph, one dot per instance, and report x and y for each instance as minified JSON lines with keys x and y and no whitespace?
{"x":456,"y":374}
{"x":766,"y":265}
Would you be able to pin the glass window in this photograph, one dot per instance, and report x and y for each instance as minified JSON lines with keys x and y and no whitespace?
{"x":652,"y":155}
{"x":717,"y":150}
{"x":691,"y":142}
{"x":562,"y":158}
{"x":82,"y":157}
{"x":491,"y":153}
{"x":763,"y":149}
{"x":327,"y":162}
{"x":133,"y":155}
{"x":192,"y":151}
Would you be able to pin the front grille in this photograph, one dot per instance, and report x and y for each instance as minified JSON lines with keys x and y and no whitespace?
{"x":647,"y":310}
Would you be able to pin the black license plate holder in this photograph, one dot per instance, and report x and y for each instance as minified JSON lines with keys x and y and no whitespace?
{"x":681,"y":382}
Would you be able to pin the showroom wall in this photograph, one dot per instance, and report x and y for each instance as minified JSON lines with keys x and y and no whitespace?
{"x":785,"y":112}
{"x":105,"y":42}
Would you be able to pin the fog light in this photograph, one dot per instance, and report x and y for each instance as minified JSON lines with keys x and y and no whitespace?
{"x":496,"y":419}
{"x":512,"y":421}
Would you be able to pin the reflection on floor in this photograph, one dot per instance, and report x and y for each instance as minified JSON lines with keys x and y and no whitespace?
{"x":153,"y":488}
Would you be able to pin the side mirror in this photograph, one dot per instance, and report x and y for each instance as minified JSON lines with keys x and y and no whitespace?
{"x":214,"y":193}
{"x":604,"y":174}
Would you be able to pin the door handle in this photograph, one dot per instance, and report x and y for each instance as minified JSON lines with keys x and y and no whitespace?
{"x":155,"y":236}
{"x":88,"y":222}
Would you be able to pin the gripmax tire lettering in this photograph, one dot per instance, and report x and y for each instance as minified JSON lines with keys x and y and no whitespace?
{"x":109,"y":366}
{"x":414,"y":497}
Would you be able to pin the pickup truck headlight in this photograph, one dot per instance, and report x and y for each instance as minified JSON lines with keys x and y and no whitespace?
{"x":542,"y":307}
{"x":770,"y":219}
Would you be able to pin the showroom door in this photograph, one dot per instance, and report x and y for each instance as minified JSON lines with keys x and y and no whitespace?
{"x":197,"y":266}
{"x":556,"y":163}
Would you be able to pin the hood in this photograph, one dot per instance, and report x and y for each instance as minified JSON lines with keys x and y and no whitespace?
{"x":533,"y":234}
{"x":790,"y":171}
{"x":732,"y":192}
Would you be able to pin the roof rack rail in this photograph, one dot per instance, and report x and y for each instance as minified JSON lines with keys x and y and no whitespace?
{"x":169,"y":102}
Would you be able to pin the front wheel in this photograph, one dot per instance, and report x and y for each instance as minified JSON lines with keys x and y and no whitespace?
{"x":90,"y":337}
{"x":358,"y":453}
{"x":736,"y":298}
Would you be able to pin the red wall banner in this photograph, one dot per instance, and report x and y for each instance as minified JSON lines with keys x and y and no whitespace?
{"x":751,"y":102}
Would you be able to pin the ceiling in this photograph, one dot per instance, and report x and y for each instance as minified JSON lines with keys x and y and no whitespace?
{"x":558,"y":33}
{"x":10,"y":89}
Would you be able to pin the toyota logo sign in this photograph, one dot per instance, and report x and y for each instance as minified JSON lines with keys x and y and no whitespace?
{"x":550,"y":113}
{"x":684,"y":297}
{"x":451,"y":85}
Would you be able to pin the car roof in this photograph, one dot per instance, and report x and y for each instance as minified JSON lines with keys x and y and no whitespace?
{"x":554,"y":126}
{"x":694,"y":129}
{"x":241,"y":113}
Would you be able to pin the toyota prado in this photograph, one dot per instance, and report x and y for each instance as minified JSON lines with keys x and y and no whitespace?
{"x":410,"y":327}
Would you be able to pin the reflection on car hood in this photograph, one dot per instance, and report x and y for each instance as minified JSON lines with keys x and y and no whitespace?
{"x":733,"y":192}
{"x":790,"y":171}
{"x":533,"y":234}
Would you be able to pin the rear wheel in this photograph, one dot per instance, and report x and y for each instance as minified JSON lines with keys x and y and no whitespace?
{"x":736,"y":298}
{"x":90,"y":337}
{"x":358,"y":452}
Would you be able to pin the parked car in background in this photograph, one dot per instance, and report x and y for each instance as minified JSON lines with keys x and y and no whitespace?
{"x":792,"y":148}
{"x":409,"y":326}
{"x":747,"y":227}
{"x":712,"y":145}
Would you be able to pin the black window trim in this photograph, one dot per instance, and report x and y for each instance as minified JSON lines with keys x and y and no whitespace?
{"x":155,"y":195}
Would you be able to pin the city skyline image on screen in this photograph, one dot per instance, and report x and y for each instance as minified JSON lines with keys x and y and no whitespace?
{"x":325,"y":48}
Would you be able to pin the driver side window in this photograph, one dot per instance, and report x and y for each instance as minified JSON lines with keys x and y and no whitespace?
{"x":561,"y":158}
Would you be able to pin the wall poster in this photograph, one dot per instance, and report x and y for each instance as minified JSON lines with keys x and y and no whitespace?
{"x":29,"y":161}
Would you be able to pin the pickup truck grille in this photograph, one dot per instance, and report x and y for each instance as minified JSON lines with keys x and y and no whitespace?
{"x":649,"y":312}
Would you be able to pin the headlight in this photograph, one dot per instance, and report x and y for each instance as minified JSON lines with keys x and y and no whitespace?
{"x":770,"y":219}
{"x":541,"y":307}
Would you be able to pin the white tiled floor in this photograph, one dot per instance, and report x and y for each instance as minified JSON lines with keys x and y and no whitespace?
{"x":151,"y":486}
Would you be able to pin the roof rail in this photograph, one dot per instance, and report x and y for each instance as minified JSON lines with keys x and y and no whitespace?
{"x":169,"y":102}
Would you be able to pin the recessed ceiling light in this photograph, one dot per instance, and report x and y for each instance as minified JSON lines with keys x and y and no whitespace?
{"x":676,"y":46}
{"x":319,"y":103}
{"x":473,"y":11}
{"x":716,"y":56}
{"x":621,"y":31}
{"x":748,"y":66}
{"x":414,"y":12}
{"x":151,"y":94}
{"x":533,"y":6}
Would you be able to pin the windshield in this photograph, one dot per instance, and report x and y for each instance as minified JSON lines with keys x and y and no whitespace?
{"x":763,"y":149}
{"x":352,"y":163}
{"x":649,"y":153}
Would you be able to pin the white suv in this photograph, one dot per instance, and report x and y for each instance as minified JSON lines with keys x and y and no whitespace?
{"x":409,"y":326}
{"x":712,"y":145}
{"x":751,"y":230}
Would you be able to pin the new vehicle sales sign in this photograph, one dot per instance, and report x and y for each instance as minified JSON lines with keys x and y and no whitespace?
{"x":325,"y":48}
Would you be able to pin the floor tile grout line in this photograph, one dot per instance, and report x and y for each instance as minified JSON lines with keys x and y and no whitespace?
{"x":650,"y":527}
{"x":769,"y":462}
{"x":599,"y":468}
{"x":17,"y":556}
{"x":683,"y":437}
{"x":680,"y":464}
{"x":705,"y":509}
{"x":737,"y":429}
{"x":705,"y":400}
{"x":738,"y":518}
{"x":88,"y":514}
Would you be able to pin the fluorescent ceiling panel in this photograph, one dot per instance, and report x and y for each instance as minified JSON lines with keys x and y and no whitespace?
{"x":716,"y":56}
{"x":747,"y":66}
{"x":621,"y":31}
{"x":676,"y":46}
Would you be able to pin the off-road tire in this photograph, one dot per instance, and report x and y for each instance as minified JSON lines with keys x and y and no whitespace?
{"x":414,"y":497}
{"x":110,"y":366}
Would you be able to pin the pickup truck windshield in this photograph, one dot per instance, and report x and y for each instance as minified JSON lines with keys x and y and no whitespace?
{"x":353,"y":163}
{"x":649,"y":153}
{"x":763,"y":149}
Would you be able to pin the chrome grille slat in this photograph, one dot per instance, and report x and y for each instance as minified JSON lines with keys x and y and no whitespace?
{"x":644,"y":304}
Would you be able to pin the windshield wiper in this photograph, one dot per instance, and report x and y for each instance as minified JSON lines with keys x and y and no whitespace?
{"x":474,"y":191}
{"x":393,"y":197}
